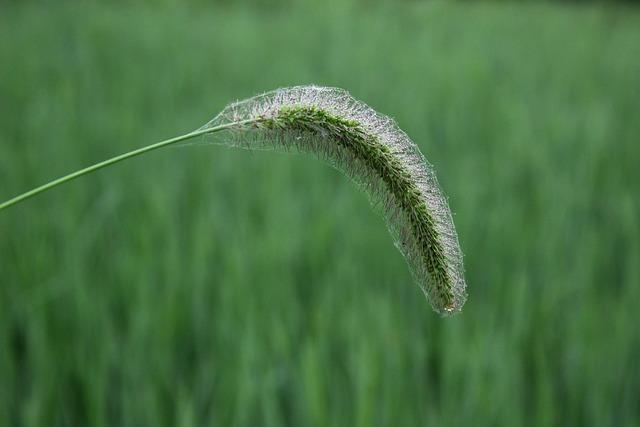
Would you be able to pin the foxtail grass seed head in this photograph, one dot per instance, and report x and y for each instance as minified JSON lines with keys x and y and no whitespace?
{"x":369,"y":148}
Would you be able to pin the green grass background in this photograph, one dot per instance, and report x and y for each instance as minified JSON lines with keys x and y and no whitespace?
{"x":206,"y":286}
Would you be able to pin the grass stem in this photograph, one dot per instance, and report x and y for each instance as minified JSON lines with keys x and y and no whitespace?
{"x":48,"y":186}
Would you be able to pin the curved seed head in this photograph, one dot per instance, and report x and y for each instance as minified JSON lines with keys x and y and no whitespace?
{"x":369,"y":148}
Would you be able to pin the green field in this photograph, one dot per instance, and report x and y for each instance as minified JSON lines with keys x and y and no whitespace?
{"x":201,"y":285}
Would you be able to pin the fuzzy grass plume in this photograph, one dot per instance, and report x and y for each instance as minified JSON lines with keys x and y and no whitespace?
{"x":366,"y":146}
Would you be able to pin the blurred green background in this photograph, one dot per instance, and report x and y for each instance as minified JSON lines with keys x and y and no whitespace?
{"x":206,"y":286}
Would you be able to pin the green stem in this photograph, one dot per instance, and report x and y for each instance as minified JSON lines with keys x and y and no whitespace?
{"x":115,"y":160}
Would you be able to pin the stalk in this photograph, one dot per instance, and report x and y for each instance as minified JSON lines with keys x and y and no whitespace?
{"x":56,"y":182}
